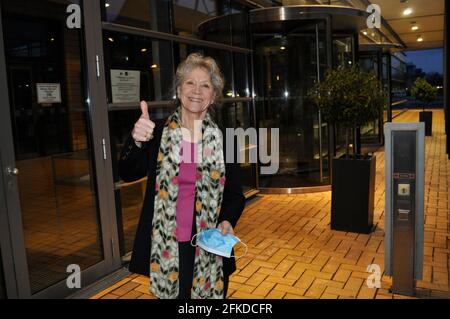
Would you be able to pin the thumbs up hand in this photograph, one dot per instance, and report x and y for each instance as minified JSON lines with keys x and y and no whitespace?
{"x":143,"y":128}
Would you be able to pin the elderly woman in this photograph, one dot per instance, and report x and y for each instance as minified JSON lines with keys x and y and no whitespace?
{"x":190,"y":188}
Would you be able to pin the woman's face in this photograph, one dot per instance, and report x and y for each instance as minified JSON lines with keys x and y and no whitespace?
{"x":196,"y":91}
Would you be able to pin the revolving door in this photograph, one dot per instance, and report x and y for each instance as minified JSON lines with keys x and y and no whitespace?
{"x":290,"y":57}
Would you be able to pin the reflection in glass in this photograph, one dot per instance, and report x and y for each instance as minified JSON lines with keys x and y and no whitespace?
{"x":239,"y":115}
{"x":146,"y":14}
{"x":2,"y":279}
{"x":224,"y":22}
{"x":370,"y":133}
{"x":52,"y":140}
{"x":188,"y":15}
{"x":152,"y":58}
{"x":288,"y":70}
{"x":241,"y":72}
{"x":342,"y":55}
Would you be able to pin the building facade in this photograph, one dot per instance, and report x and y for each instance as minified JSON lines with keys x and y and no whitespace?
{"x":72,"y":74}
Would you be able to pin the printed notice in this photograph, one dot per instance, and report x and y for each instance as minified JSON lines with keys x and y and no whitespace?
{"x":125,"y":86}
{"x":48,"y":93}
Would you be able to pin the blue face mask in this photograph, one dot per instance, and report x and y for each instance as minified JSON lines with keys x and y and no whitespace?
{"x":214,"y":242}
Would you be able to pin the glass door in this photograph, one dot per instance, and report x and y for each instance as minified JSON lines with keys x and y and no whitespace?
{"x":50,"y":164}
{"x":290,"y":57}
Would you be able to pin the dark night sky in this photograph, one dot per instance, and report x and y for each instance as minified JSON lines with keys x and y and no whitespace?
{"x":427,"y":60}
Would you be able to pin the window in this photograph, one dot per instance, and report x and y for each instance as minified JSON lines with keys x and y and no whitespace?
{"x":146,"y":14}
{"x":151,"y":59}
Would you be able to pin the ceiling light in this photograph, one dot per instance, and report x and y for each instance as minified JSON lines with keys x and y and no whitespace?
{"x":365,"y":32}
{"x":282,"y":48}
{"x":154,"y":66}
{"x":420,"y":39}
{"x":414,"y":28}
{"x":144,"y":50}
{"x":407,"y":11}
{"x":106,"y":5}
{"x":111,"y":39}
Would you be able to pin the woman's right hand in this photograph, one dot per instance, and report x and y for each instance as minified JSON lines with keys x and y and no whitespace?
{"x":143,"y":128}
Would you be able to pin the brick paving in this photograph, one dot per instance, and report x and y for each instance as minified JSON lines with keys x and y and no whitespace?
{"x":293,"y":254}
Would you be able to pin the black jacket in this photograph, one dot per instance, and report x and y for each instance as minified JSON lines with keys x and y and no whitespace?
{"x":136,"y":163}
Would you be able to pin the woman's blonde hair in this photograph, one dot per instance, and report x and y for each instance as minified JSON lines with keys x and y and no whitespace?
{"x":197,"y":60}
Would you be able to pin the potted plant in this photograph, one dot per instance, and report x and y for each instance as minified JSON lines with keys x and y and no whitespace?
{"x":351,"y":98}
{"x":426,"y":93}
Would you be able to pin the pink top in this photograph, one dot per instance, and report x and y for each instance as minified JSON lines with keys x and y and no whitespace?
{"x":186,"y":190}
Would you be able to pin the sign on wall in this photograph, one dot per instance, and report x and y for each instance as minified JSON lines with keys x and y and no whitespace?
{"x":48,"y":93}
{"x":125,"y":86}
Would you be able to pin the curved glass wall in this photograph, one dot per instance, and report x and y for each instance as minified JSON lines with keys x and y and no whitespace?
{"x":292,"y":49}
{"x":291,"y":57}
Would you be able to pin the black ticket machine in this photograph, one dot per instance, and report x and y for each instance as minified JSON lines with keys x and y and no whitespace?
{"x":404,"y":210}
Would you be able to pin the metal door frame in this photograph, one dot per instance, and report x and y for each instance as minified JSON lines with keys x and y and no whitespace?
{"x":11,"y":228}
{"x":325,"y":22}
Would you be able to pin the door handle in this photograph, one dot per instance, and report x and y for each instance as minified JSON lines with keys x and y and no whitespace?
{"x":12,"y":171}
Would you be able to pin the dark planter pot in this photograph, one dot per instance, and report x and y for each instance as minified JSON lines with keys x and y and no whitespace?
{"x":427,"y":117}
{"x":353,"y":191}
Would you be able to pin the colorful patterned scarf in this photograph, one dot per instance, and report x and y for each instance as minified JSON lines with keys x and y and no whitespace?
{"x":164,"y":267}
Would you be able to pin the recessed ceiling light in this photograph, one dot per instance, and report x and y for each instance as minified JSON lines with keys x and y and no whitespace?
{"x":154,"y":66}
{"x":144,"y":50}
{"x":420,"y":39}
{"x":365,"y":32}
{"x":111,"y":39}
{"x":407,"y":11}
{"x":282,"y":48}
{"x":414,"y":28}
{"x":107,"y":5}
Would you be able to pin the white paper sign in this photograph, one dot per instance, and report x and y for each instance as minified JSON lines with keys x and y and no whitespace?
{"x":48,"y":93}
{"x":125,"y":86}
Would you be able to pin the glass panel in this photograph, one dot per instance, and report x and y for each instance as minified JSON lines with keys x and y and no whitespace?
{"x":370,"y":134}
{"x":2,"y":279}
{"x":398,"y":80}
{"x":146,"y":14}
{"x":288,"y":70}
{"x":234,"y":115}
{"x":52,"y":139}
{"x":342,"y":51}
{"x":227,"y":24}
{"x":189,"y":15}
{"x":340,"y":140}
{"x":239,"y":25}
{"x":143,"y":57}
{"x":241,"y":79}
{"x":385,"y":81}
{"x":342,"y":56}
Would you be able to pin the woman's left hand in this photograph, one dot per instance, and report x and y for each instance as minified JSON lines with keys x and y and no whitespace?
{"x":225,"y":228}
